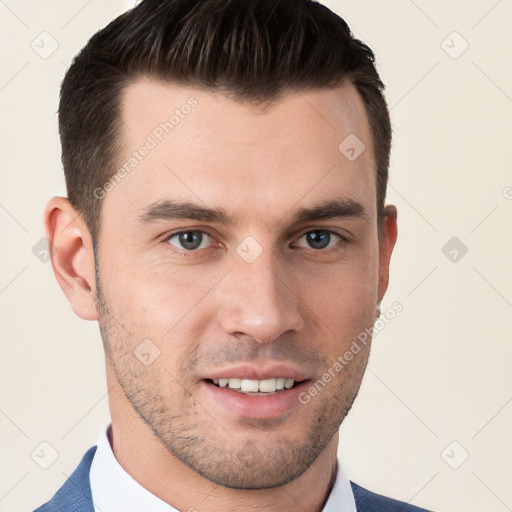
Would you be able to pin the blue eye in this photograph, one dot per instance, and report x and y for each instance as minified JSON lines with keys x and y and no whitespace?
{"x":194,"y":240}
{"x":320,"y":238}
{"x":190,"y":240}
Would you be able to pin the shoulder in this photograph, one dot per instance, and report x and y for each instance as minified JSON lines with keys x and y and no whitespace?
{"x":75,"y":494}
{"x":367,"y":501}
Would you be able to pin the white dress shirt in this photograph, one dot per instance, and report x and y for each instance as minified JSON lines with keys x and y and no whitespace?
{"x":114,"y":490}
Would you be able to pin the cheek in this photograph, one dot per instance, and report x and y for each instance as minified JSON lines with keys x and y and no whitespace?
{"x":343,"y":300}
{"x":162,"y":303}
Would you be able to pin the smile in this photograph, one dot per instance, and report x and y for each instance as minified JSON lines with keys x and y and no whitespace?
{"x":244,"y":398}
{"x":251,"y":386}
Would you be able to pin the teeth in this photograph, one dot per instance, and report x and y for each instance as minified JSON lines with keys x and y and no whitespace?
{"x":234,"y":383}
{"x":267,"y":386}
{"x":254,"y":386}
{"x":248,"y":385}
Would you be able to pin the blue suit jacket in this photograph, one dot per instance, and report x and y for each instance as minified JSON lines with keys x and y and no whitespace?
{"x":75,"y":495}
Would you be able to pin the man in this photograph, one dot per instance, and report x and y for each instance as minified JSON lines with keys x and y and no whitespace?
{"x":226,"y":164}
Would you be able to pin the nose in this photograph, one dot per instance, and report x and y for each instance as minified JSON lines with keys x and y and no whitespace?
{"x":258,"y":300}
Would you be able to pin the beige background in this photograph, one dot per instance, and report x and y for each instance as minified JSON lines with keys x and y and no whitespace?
{"x":440,"y":371}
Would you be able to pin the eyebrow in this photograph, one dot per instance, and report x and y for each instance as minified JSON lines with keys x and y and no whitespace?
{"x":341,"y":207}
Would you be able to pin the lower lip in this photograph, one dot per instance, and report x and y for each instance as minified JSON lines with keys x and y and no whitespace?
{"x":256,"y":406}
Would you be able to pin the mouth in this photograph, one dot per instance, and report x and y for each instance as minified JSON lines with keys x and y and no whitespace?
{"x":248,"y":398}
{"x":255,"y":387}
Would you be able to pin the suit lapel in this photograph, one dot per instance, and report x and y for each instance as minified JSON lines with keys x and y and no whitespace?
{"x":75,"y":494}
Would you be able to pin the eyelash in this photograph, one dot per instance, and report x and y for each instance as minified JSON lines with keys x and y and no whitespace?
{"x":188,"y":253}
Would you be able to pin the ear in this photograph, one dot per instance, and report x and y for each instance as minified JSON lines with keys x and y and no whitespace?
{"x":72,"y":256}
{"x":387,"y":241}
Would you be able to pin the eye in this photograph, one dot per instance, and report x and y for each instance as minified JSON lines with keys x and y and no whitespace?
{"x":321,"y":239}
{"x":190,"y":240}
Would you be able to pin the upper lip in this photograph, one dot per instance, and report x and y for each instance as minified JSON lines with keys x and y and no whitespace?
{"x":255,"y":373}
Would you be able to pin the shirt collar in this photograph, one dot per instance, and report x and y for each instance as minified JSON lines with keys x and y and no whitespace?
{"x":114,"y":489}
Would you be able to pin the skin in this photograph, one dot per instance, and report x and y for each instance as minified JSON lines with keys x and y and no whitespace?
{"x":207,"y":308}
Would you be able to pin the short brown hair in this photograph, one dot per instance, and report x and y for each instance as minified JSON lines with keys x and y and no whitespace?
{"x":251,"y":50}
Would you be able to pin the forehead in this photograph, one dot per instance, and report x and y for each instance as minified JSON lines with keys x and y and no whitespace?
{"x":200,"y":145}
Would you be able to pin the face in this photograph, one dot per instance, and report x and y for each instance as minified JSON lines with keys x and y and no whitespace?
{"x":242,"y":243}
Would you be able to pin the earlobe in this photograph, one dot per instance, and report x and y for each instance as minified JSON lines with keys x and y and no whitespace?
{"x":72,"y":256}
{"x":386,"y":245}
